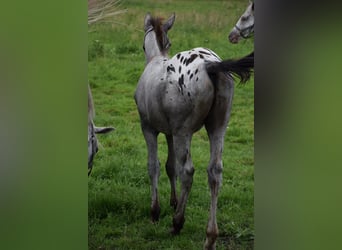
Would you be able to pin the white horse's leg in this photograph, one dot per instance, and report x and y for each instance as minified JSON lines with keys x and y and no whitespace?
{"x":185,"y":171}
{"x":153,"y":169}
{"x":171,"y":171}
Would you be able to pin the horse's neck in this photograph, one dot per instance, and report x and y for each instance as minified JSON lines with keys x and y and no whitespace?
{"x":157,"y":56}
{"x":152,"y":48}
{"x":153,"y":54}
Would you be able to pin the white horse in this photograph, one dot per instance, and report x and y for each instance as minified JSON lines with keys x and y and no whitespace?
{"x":177,"y":96}
{"x":244,"y":28}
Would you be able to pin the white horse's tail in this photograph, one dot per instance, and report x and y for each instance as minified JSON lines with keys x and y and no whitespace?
{"x":242,"y":68}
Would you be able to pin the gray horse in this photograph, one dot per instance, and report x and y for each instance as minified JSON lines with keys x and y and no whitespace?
{"x":244,"y":28}
{"x":177,"y":97}
{"x":92,"y":131}
{"x":98,"y":11}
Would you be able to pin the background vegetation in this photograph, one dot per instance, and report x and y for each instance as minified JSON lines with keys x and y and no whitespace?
{"x":119,"y":188}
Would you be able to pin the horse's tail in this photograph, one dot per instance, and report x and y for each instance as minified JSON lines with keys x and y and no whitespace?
{"x":242,"y":68}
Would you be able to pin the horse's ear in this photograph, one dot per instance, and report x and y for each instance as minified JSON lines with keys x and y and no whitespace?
{"x":147,"y":22}
{"x":168,"y":24}
{"x":103,"y":130}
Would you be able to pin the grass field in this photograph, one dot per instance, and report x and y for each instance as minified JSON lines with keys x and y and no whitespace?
{"x":119,"y":187}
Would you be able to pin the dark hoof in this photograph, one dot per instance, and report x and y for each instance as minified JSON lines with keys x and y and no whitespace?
{"x":155,"y":212}
{"x":210,"y":242}
{"x":177,"y":225}
{"x":174,"y":232}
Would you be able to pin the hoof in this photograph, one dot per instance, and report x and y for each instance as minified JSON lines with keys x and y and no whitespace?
{"x":177,"y":225}
{"x":174,"y":232}
{"x":209,"y":247}
{"x":155,"y":212}
{"x":210,"y":241}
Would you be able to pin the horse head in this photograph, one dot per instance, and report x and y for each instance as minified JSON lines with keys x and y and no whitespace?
{"x":156,"y":41}
{"x":244,"y":28}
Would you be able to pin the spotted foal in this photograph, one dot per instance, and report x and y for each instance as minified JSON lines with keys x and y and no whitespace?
{"x":177,"y":96}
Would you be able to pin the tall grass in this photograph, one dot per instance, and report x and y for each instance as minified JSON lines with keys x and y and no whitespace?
{"x":103,"y":10}
{"x":119,"y":187}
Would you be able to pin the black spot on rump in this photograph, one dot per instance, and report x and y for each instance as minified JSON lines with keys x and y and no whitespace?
{"x":188,"y":72}
{"x":196,"y":79}
{"x":201,"y":56}
{"x":196,"y":71}
{"x":181,"y":60}
{"x":181,"y":82}
{"x":191,"y":76}
{"x":180,"y":69}
{"x":191,"y":59}
{"x":204,"y":52}
{"x":178,"y":55}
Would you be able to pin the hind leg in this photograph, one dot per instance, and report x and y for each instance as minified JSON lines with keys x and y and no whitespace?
{"x":214,"y":170}
{"x":171,"y":171}
{"x":153,"y":169}
{"x":216,"y":125}
{"x":185,"y":170}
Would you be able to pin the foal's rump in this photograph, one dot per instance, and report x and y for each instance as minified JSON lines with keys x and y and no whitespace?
{"x":189,"y":92}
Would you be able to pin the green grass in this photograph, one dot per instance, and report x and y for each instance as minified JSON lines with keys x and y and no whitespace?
{"x":119,"y":188}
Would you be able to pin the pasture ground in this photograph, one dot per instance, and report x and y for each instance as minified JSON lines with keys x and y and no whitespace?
{"x":119,"y":188}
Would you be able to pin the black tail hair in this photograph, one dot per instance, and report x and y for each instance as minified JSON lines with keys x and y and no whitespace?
{"x":242,"y":68}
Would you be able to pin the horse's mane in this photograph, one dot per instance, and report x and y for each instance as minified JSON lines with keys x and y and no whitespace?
{"x":157,"y":24}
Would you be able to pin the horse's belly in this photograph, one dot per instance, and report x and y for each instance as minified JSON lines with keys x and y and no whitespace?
{"x":158,"y":119}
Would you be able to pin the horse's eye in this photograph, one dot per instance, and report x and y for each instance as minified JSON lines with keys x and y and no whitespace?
{"x":244,"y":18}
